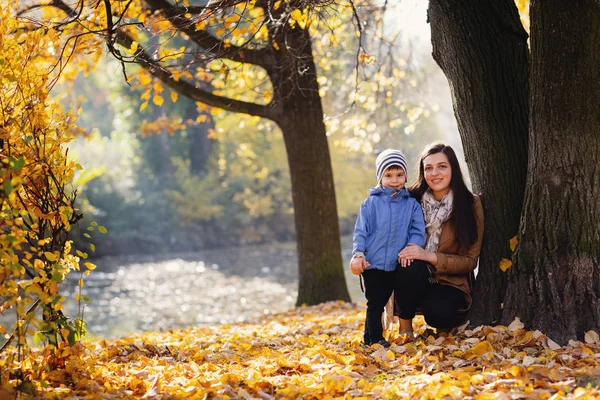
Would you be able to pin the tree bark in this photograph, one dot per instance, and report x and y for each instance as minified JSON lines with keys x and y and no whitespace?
{"x":482,"y":48}
{"x":555,"y":282}
{"x":321,"y":275}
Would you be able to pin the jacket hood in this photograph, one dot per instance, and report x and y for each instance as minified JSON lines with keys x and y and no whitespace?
{"x":387,"y":191}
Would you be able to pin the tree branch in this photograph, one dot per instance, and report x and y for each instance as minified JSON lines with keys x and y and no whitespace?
{"x":142,"y":58}
{"x":212,"y":44}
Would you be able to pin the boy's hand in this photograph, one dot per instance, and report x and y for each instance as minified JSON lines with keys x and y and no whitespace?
{"x":358,"y":265}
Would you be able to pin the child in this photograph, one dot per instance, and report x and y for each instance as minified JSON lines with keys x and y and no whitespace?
{"x":388,"y":220}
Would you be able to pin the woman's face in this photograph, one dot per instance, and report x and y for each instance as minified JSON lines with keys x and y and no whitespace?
{"x":438,"y":174}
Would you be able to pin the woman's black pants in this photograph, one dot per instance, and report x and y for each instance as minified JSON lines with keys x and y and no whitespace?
{"x":438,"y":303}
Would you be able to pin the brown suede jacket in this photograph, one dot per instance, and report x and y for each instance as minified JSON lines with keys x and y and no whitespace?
{"x":456,"y":269}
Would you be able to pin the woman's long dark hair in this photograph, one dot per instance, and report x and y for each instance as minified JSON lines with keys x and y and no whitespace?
{"x":463,"y":216}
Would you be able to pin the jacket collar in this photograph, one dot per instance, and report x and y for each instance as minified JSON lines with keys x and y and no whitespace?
{"x":388,"y":191}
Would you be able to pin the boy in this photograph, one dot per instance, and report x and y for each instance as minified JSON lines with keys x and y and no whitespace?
{"x":388,"y":220}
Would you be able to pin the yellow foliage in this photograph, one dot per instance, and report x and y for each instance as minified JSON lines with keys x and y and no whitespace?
{"x":36,"y":195}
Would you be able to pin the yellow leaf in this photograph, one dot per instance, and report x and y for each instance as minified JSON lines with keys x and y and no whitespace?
{"x":133,"y":48}
{"x":277,"y":4}
{"x":296,"y":15}
{"x":448,"y":389}
{"x":143,"y":106}
{"x":478,"y":350}
{"x":174,"y":96}
{"x":145,"y":79}
{"x":50,"y":256}
{"x":337,"y":383}
{"x":158,"y":100}
{"x":505,"y":264}
{"x":513,"y":243}
{"x":90,"y":266}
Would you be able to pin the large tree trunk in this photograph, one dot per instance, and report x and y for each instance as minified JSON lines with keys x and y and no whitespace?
{"x":482,"y":48}
{"x":321,"y":275}
{"x":555,"y":285}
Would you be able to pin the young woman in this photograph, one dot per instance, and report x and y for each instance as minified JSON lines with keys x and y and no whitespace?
{"x":437,"y":279}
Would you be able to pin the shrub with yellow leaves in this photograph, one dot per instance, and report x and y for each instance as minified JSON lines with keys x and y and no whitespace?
{"x":37,"y":199}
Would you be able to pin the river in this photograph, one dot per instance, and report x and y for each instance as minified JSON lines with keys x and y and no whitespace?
{"x":159,"y":292}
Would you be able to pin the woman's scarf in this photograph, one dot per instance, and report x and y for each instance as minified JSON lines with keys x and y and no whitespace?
{"x":435,"y":213}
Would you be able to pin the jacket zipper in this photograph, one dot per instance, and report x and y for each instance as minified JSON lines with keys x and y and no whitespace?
{"x":387,"y":245}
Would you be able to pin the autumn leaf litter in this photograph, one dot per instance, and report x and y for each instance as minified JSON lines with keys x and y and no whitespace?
{"x":316,"y":352}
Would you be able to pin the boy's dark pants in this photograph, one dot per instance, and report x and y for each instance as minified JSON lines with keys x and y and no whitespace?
{"x":379,"y":286}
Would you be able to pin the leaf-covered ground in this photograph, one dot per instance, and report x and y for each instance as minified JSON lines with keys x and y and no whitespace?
{"x":316,"y":353}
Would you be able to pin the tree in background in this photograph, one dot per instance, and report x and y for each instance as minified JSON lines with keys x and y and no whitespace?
{"x":553,"y":282}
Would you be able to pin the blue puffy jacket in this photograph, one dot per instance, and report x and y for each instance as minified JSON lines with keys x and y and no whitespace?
{"x":388,"y":220}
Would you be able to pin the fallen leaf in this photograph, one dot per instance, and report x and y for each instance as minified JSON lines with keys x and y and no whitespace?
{"x":478,"y":350}
{"x":527,"y":361}
{"x":591,"y":337}
{"x":552,"y":345}
{"x":516,"y":325}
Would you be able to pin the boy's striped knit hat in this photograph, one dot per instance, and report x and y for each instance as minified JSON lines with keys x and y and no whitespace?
{"x":386,"y":159}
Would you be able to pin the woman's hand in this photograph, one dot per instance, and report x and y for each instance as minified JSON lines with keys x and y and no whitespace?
{"x":413,"y":252}
{"x":358,"y":265}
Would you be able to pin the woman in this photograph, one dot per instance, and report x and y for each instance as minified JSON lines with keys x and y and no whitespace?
{"x":437,"y":280}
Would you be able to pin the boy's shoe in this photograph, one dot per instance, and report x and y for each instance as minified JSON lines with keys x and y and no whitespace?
{"x":384,"y":343}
